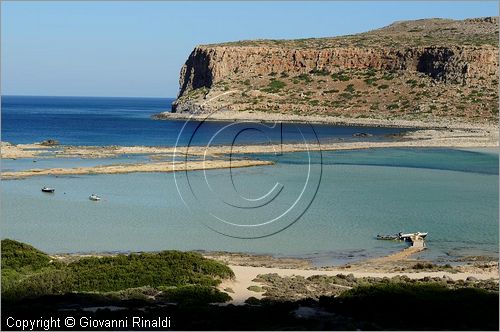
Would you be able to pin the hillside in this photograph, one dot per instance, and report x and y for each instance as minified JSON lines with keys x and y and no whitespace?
{"x":423,"y":70}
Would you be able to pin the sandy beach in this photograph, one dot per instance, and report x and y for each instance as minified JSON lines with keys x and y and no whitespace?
{"x":245,"y":276}
{"x":251,"y":270}
{"x":246,"y":272}
{"x":164,"y":167}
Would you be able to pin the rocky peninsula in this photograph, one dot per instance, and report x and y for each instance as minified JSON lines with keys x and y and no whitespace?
{"x":431,"y":72}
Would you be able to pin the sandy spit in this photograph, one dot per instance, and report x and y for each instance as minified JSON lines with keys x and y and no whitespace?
{"x":130,"y":168}
{"x":453,"y":138}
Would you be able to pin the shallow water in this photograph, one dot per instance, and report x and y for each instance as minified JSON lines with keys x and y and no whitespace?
{"x":15,"y":165}
{"x":451,"y":194}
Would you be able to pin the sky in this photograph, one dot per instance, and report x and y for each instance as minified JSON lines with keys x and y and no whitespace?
{"x":137,"y":48}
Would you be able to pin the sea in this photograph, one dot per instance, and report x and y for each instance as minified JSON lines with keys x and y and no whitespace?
{"x":326,"y":206}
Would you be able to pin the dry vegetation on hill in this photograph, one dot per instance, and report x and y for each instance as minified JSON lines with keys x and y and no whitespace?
{"x":413,"y":70}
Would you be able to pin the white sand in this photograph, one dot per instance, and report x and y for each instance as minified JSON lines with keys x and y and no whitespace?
{"x":245,"y":274}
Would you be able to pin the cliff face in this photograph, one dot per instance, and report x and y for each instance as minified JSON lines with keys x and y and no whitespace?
{"x":208,"y":64}
{"x":424,"y":56}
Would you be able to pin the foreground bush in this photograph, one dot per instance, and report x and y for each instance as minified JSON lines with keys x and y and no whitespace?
{"x":418,"y":306}
{"x":105,"y":274}
{"x":19,"y":256}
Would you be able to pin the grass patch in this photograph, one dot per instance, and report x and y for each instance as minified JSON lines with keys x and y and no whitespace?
{"x":256,"y":289}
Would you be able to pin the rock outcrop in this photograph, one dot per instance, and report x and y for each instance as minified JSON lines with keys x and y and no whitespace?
{"x":449,"y":67}
{"x":208,"y":64}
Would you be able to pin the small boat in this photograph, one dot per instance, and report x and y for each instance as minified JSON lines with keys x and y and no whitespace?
{"x":94,"y":197}
{"x":408,"y":235}
{"x":48,"y":190}
{"x":387,"y":237}
{"x":401,"y":236}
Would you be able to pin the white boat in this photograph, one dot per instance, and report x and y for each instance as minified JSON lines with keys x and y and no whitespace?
{"x":94,"y":197}
{"x":48,"y":190}
{"x":408,"y":235}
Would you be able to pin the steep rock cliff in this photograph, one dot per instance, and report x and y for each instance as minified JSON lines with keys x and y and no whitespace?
{"x":447,"y":67}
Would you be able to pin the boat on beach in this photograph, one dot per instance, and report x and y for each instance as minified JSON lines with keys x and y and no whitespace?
{"x":402,"y":236}
{"x":94,"y":197}
{"x":409,"y":235}
{"x":48,"y":190}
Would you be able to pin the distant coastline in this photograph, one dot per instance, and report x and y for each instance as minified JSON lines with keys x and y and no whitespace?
{"x":258,"y":116}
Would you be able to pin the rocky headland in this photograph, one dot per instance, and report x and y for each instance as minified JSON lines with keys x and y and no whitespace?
{"x":430,"y":72}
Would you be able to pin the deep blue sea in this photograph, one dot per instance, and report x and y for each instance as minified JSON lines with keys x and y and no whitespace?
{"x":127,"y":121}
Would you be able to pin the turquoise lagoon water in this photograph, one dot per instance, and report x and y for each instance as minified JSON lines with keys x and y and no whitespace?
{"x":14,"y":165}
{"x":451,"y":194}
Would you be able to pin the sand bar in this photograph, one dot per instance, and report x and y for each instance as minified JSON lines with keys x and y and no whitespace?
{"x":453,"y":138}
{"x":131,"y":168}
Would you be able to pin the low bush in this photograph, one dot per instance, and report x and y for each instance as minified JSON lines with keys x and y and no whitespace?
{"x":106,"y":274}
{"x":274,"y":86}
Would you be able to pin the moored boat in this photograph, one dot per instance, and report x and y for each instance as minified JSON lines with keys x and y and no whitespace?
{"x":408,"y":235}
{"x":402,"y":236}
{"x":387,"y":237}
{"x":94,"y":197}
{"x":48,"y":190}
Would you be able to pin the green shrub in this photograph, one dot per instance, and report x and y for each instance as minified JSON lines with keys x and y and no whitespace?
{"x":402,"y":306}
{"x":257,"y":289}
{"x":388,"y":76}
{"x":109,"y":274}
{"x":320,"y":72}
{"x":274,"y":86}
{"x":370,"y":81}
{"x":340,"y":76}
{"x":304,"y":77}
{"x":18,"y":256}
{"x":350,"y":88}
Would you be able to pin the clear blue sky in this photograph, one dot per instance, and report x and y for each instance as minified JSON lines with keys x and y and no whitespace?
{"x":137,"y":48}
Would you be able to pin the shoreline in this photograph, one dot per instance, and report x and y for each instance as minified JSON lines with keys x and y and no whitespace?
{"x":249,"y":267}
{"x":452,"y":138}
{"x":258,"y":116}
{"x":248,"y":280}
{"x":218,"y":155}
{"x":137,"y":168}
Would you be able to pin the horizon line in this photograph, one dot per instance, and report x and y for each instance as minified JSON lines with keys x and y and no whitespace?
{"x":85,"y":96}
